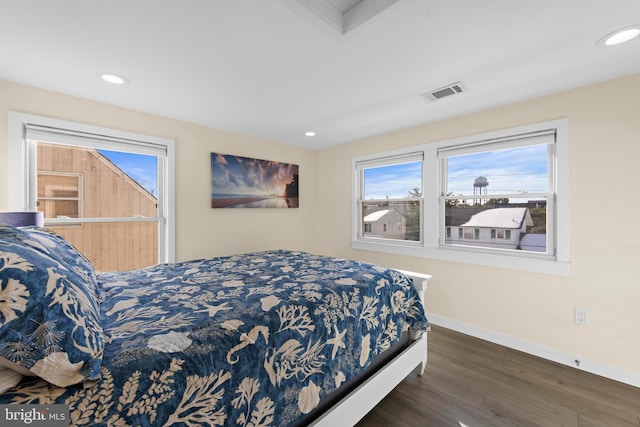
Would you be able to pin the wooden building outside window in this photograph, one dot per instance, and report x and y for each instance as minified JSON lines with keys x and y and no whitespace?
{"x":79,"y":182}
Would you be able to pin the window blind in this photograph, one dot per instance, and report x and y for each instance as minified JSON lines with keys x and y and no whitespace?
{"x":514,"y":141}
{"x":93,"y":140}
{"x":390,"y":160}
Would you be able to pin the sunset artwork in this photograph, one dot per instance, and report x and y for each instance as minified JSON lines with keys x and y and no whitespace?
{"x":242,"y":182}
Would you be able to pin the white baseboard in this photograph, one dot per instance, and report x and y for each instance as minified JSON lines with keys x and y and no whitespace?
{"x":564,"y":358}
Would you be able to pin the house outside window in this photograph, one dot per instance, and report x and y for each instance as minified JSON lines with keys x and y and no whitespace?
{"x":505,"y":192}
{"x":64,"y":169}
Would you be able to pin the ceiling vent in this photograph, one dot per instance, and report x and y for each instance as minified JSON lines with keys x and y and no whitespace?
{"x":443,"y":92}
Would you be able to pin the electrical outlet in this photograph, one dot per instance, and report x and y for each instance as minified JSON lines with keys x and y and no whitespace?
{"x":581,"y":316}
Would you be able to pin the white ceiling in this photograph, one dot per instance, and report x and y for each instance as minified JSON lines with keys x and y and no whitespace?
{"x":273,"y":69}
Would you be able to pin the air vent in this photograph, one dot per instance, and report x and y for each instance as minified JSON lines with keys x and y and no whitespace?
{"x":443,"y":92}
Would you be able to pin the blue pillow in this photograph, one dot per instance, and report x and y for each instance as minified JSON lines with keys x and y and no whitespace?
{"x":63,"y":251}
{"x":49,"y":312}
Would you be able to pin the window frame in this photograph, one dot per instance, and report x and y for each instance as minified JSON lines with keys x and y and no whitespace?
{"x":389,"y":159}
{"x":23,"y":170}
{"x":433,"y":229}
{"x":79,"y":199}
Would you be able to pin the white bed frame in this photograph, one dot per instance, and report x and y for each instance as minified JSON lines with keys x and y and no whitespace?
{"x":350,"y":409}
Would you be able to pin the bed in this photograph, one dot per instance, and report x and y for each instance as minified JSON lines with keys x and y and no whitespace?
{"x":268,"y":338}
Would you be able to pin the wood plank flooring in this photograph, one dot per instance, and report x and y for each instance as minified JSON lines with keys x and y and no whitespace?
{"x":470,"y":382}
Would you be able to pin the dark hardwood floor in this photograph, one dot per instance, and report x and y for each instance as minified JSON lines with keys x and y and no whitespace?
{"x":470,"y":382}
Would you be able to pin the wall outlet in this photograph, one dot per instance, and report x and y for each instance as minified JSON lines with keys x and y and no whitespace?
{"x":581,"y":316}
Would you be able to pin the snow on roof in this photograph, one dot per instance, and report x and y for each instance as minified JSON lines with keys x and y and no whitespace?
{"x":498,"y":218}
{"x":374,"y":216}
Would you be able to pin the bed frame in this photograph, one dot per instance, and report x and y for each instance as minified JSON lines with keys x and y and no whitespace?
{"x":354,"y":406}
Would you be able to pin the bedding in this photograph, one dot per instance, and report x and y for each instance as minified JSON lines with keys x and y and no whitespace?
{"x":50,"y":322}
{"x":252,"y":340}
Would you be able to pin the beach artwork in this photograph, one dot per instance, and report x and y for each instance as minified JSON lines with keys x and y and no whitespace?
{"x":242,"y":182}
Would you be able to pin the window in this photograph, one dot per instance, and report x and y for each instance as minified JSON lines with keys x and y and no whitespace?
{"x":75,"y":174}
{"x":481,"y":199}
{"x":390,"y":199}
{"x":60,"y":194}
{"x":502,"y":186}
{"x":468,"y":233}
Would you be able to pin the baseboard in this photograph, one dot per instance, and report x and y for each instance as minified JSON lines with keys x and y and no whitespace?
{"x":564,"y":358}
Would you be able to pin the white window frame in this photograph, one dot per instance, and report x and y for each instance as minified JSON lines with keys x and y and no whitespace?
{"x":390,"y":158}
{"x":79,"y":200}
{"x":23,"y":169}
{"x":432,"y":221}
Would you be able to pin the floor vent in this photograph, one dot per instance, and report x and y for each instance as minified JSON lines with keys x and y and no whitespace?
{"x":443,"y":92}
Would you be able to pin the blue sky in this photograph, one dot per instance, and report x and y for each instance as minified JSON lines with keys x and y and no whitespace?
{"x":515,"y":170}
{"x":508,"y":171}
{"x":392,"y":181}
{"x":143,"y":169}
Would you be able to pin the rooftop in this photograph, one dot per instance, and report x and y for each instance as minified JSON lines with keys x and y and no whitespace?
{"x":500,"y":218}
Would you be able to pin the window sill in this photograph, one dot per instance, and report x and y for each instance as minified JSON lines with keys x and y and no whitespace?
{"x":535,"y":265}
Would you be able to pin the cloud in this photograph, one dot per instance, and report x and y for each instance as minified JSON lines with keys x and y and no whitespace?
{"x":241,"y":175}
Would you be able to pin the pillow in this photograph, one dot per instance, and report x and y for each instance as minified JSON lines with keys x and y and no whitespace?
{"x":49,"y":312}
{"x":58,"y":247}
{"x":8,"y":379}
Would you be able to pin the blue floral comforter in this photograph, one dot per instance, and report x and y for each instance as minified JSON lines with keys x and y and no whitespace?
{"x":249,"y":340}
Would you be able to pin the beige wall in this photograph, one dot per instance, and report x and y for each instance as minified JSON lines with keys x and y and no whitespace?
{"x":200,"y":230}
{"x":604,"y":122}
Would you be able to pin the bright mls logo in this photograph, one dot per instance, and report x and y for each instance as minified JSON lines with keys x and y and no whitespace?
{"x":34,"y":415}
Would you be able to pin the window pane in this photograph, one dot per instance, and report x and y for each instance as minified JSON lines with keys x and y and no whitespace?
{"x":512,"y":171}
{"x":82,"y":183}
{"x":394,"y":181}
{"x":59,"y":194}
{"x":488,"y":191}
{"x":393,"y":196}
{"x":392,"y":220}
{"x":519,"y":224}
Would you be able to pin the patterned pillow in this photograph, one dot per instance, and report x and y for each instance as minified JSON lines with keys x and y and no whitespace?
{"x":49,"y":312}
{"x":8,"y":379}
{"x":63,"y":251}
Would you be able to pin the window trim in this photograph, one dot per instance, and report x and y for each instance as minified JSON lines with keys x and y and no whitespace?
{"x":79,"y":199}
{"x":22,"y":161}
{"x":390,"y":158}
{"x":431,"y":232}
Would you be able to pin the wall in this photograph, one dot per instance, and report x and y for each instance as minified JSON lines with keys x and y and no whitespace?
{"x":530,"y":309}
{"x":200,"y":230}
{"x":535,"y":308}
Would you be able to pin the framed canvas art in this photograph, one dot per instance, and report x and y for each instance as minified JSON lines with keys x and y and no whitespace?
{"x":243,"y":182}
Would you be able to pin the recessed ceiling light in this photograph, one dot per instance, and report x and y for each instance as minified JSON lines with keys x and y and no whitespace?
{"x":114,"y":79}
{"x":620,"y":36}
{"x":310,"y":133}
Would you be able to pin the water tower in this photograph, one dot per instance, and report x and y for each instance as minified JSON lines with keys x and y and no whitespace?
{"x":480,"y":185}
